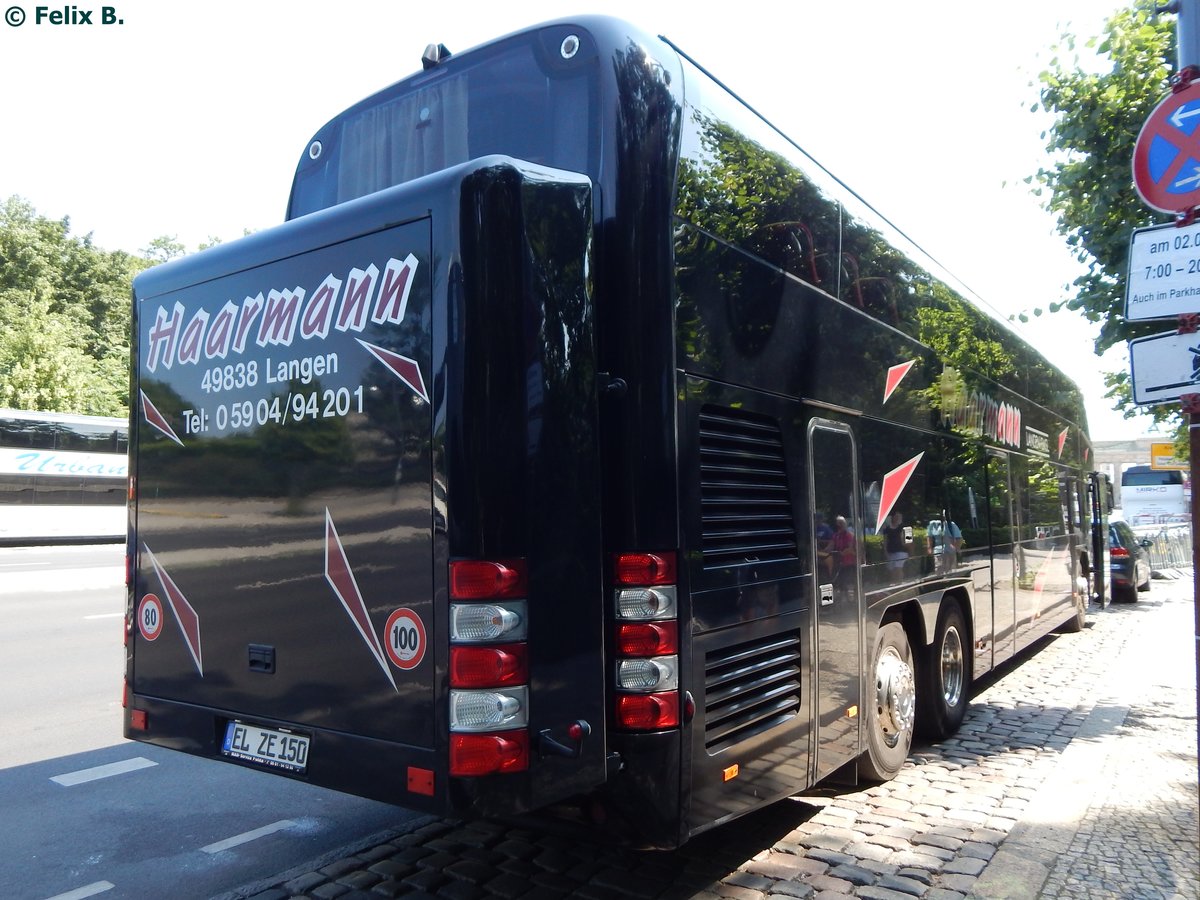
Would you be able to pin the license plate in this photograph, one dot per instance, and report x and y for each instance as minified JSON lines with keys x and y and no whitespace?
{"x":273,"y":747}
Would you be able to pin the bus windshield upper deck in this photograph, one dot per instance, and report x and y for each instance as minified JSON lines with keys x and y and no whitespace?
{"x":529,"y":97}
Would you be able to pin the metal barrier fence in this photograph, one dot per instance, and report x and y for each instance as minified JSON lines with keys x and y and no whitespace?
{"x":1171,"y":547}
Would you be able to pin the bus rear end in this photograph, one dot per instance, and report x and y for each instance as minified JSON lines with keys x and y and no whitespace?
{"x":365,"y":544}
{"x":1151,"y":496}
{"x":406,"y":519}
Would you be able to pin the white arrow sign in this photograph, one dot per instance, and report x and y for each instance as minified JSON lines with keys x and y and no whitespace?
{"x":1165,"y":367}
{"x":1193,"y":179}
{"x":1178,"y":117}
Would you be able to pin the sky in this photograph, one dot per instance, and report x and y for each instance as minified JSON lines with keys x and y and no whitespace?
{"x":188,"y":119}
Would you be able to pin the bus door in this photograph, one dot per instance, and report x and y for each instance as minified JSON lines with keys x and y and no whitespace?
{"x":837,"y":557}
{"x":1006,"y":558}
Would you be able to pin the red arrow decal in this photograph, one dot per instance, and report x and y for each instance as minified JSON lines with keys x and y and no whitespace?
{"x":157,"y":419}
{"x":894,"y":483}
{"x":341,"y":579}
{"x":185,"y":615}
{"x":894,"y":376}
{"x":401,"y":366}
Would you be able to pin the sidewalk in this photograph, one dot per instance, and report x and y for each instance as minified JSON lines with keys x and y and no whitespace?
{"x":1118,"y":816}
{"x":1074,"y":775}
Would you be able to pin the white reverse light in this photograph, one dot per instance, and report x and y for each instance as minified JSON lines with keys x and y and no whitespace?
{"x":646,"y":603}
{"x":481,"y":622}
{"x":489,"y":710}
{"x":659,"y":673}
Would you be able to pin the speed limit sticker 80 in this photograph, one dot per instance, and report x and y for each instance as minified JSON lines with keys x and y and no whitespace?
{"x":150,"y":617}
{"x":404,"y":639}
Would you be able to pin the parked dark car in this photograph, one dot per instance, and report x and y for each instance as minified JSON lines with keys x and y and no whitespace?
{"x":1129,"y":562}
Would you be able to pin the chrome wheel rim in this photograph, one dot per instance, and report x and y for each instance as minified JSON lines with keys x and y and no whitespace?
{"x":895,"y":696}
{"x":952,"y":667}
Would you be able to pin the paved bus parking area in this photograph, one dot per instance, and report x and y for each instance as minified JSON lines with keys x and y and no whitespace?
{"x":1074,"y":775}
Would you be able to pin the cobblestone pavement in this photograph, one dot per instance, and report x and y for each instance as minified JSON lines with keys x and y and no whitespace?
{"x":1074,"y":775}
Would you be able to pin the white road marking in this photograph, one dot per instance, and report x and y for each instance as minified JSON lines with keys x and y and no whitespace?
{"x":90,"y":890}
{"x":84,"y":579}
{"x":70,"y":779}
{"x":116,"y":615}
{"x":248,"y":836}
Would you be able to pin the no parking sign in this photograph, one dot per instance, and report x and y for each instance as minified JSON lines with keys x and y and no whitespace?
{"x":1166,"y":158}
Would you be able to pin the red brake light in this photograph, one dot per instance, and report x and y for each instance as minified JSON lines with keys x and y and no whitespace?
{"x":486,"y":667}
{"x":478,"y":579}
{"x":648,"y":638}
{"x":644,"y":569}
{"x":1118,"y":552}
{"x":487,"y":754}
{"x":648,"y":712}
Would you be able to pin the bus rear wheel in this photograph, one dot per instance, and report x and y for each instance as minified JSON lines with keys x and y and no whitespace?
{"x":891,"y":705}
{"x":946,"y":675}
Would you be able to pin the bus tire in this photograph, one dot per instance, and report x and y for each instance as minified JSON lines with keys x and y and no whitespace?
{"x":890,"y":705}
{"x":946,"y":675}
{"x":1078,"y":619}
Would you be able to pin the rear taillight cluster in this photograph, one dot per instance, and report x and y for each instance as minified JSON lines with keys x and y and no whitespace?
{"x":647,"y":641}
{"x":489,"y":667}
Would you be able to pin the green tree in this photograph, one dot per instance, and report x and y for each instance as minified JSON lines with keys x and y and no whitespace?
{"x":66,"y":308}
{"x":1098,"y":112}
{"x":164,"y":248}
{"x":42,"y":362}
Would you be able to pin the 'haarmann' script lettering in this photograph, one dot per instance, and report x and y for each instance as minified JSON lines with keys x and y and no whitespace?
{"x":281,"y":316}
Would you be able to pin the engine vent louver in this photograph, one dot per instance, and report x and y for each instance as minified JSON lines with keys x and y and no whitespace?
{"x":750,"y":688}
{"x":744,"y":499}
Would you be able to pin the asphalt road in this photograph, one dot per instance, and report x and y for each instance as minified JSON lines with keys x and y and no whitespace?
{"x":87,"y":813}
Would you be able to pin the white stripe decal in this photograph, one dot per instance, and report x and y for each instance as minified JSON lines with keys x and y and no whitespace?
{"x":90,"y":890}
{"x":70,"y":779}
{"x":246,"y":837}
{"x":341,"y":578}
{"x":185,"y":614}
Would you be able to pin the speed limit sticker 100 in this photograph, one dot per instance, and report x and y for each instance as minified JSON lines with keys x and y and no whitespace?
{"x":150,"y":617}
{"x":404,"y":638}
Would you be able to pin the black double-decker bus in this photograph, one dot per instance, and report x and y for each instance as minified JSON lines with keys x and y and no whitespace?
{"x":581,"y":441}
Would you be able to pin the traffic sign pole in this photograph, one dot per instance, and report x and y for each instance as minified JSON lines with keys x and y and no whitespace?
{"x":1165,"y":154}
{"x":1187,"y":40}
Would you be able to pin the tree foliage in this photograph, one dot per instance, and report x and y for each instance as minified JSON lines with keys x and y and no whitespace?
{"x":1098,"y":112}
{"x":65,"y":305}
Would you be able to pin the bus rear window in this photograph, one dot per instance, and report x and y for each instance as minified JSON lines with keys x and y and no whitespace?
{"x":1143,"y":476}
{"x":525,"y":98}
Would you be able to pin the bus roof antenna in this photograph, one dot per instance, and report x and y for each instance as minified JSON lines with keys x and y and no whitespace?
{"x":434,"y":54}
